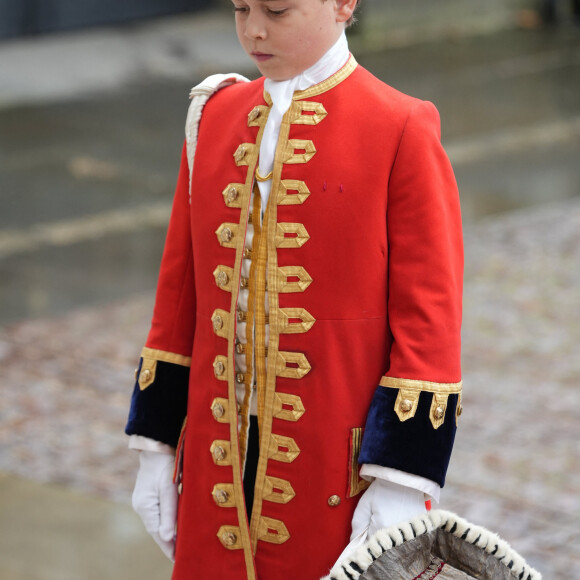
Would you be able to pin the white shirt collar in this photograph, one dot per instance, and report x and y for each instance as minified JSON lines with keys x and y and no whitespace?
{"x":334,"y":59}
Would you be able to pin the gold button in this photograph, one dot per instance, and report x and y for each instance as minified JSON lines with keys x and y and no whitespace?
{"x":439,"y":413}
{"x":242,"y":316}
{"x":254,"y":114}
{"x":244,"y":283}
{"x":232,"y":194}
{"x":240,"y":153}
{"x":145,"y":375}
{"x":406,"y":405}
{"x":219,"y":453}
{"x":240,"y":377}
{"x":218,"y":322}
{"x":226,"y":235}
{"x":219,"y":368}
{"x":459,"y":410}
{"x":333,"y":500}
{"x":240,"y":348}
{"x":218,"y":410}
{"x":180,"y":488}
{"x":222,"y":278}
{"x":250,"y":219}
{"x":221,"y":496}
{"x":229,"y":539}
{"x":248,"y":253}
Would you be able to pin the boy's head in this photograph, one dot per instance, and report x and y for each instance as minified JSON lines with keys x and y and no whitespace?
{"x":285,"y":37}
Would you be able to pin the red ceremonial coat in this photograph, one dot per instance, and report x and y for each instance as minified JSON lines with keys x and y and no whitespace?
{"x":359,"y":257}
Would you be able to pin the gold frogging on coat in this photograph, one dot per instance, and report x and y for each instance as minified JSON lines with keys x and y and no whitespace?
{"x":288,"y":407}
{"x":306,"y":113}
{"x":220,"y":365}
{"x":223,"y":277}
{"x":299,"y":151}
{"x":272,"y":531}
{"x":223,"y":495}
{"x":220,"y":409}
{"x":293,"y":279}
{"x":221,"y":322}
{"x":282,"y":448}
{"x":292,"y":365}
{"x":221,"y":452}
{"x":278,"y":490}
{"x":295,"y":320}
{"x":291,"y":235}
{"x":229,"y":536}
{"x":285,"y":197}
{"x":227,"y":235}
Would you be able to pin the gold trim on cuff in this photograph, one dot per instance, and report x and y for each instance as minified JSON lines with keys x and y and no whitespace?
{"x":409,"y":392}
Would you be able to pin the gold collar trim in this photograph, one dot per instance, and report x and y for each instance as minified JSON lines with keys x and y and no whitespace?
{"x":327,"y":84}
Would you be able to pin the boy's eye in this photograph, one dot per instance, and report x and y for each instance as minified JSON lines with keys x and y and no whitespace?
{"x":277,"y":12}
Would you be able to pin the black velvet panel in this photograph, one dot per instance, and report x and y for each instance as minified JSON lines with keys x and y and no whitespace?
{"x":414,"y":445}
{"x":158,"y":411}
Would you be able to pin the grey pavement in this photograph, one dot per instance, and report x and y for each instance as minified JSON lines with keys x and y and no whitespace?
{"x":91,"y":128}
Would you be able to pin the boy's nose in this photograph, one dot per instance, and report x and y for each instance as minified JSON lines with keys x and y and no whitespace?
{"x":255,"y":27}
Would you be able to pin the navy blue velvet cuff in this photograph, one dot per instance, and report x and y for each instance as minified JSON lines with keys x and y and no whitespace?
{"x":158,"y":411}
{"x":413,"y":445}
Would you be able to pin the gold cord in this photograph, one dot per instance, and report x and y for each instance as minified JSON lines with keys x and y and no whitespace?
{"x":264,"y":178}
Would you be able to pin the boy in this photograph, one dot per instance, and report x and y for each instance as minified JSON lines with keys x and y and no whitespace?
{"x":314,"y":252}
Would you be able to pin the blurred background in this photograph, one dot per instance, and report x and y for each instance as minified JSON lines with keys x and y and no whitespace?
{"x":93,"y":98}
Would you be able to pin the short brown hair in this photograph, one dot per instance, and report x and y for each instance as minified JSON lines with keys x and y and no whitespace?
{"x":352,"y":19}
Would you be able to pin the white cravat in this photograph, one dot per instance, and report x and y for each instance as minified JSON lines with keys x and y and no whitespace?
{"x":282,"y":92}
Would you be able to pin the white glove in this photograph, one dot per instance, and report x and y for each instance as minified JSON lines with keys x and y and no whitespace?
{"x":383,"y":504}
{"x":155,"y":498}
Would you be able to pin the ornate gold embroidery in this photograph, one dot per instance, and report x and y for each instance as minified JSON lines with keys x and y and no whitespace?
{"x":288,"y":283}
{"x":283,"y":448}
{"x":278,"y":490}
{"x":290,"y":235}
{"x":227,"y":235}
{"x":284,"y":400}
{"x":272,"y":531}
{"x":295,"y":145}
{"x":409,"y":392}
{"x":292,"y":365}
{"x":295,"y":320}
{"x":287,"y":198}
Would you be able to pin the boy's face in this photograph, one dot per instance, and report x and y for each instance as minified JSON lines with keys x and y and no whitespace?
{"x":285,"y":37}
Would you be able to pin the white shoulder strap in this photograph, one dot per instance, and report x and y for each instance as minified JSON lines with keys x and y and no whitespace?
{"x":199,"y":96}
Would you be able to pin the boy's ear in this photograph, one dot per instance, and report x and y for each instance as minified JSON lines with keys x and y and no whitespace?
{"x":344,"y":9}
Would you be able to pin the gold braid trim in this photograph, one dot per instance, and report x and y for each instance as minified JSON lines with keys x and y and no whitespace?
{"x":410,"y":390}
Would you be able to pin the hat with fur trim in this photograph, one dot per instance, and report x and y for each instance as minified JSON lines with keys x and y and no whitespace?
{"x":438,"y":545}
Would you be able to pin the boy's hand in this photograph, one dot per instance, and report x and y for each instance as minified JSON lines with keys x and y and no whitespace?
{"x":383,"y":504}
{"x":155,"y":498}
